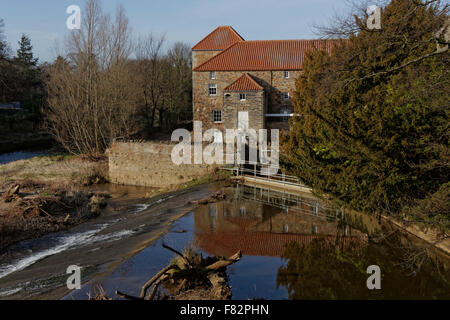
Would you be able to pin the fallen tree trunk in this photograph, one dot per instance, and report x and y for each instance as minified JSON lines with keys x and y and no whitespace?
{"x":187,"y":275}
{"x":153,"y":279}
{"x":225,"y":263}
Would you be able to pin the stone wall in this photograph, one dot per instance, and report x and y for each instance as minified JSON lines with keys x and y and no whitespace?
{"x":149,"y":164}
{"x":200,"y":56}
{"x":273,"y":82}
{"x":254,"y":104}
{"x":280,"y":85}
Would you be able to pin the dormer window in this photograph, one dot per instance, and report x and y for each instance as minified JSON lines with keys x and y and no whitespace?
{"x":242,"y":96}
{"x":286,"y":74}
{"x":212,"y":75}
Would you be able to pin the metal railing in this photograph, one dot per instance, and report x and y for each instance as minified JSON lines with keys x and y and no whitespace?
{"x":262,"y":171}
{"x":292,"y":203}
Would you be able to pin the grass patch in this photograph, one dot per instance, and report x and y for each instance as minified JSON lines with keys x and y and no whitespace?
{"x":57,"y":167}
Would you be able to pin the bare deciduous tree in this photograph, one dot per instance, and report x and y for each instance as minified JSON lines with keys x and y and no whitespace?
{"x":149,"y":71}
{"x":91,"y":99}
{"x":354,"y":23}
{"x":97,"y":93}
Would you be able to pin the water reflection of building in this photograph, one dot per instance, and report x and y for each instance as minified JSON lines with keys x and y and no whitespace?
{"x":261,"y":222}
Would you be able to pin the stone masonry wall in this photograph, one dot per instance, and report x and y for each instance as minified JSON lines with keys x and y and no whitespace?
{"x":273,"y":82}
{"x":149,"y":164}
{"x":200,"y":56}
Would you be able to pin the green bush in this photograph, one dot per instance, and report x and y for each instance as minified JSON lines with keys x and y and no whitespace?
{"x":373,"y":126}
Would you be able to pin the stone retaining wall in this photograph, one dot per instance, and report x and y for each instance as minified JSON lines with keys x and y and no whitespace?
{"x":149,"y":164}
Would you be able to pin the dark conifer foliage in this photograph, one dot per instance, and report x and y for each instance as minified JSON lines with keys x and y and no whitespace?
{"x":25,"y":52}
{"x":373,"y":129}
{"x":21,"y":78}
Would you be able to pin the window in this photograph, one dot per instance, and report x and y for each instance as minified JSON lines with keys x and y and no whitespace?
{"x":212,"y":75}
{"x":213,"y":210}
{"x":212,"y":89}
{"x":213,"y":215}
{"x":217,"y":116}
{"x":242,"y":96}
{"x":316,"y":209}
{"x":285,"y":228}
{"x":286,"y":74}
{"x":286,"y":96}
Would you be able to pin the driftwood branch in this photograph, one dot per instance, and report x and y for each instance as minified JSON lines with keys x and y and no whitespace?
{"x":155,"y":288}
{"x":224,"y":263}
{"x":162,"y":275}
{"x":178,"y":253}
{"x":126,"y":296}
{"x":153,"y":279}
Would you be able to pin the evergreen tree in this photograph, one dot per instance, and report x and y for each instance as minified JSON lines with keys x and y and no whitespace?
{"x":28,"y":78}
{"x":25,"y":52}
{"x":3,"y":45}
{"x":6,"y":68}
{"x":373,"y":126}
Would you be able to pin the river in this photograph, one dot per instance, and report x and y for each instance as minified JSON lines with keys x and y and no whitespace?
{"x":19,"y":155}
{"x":293,"y":245}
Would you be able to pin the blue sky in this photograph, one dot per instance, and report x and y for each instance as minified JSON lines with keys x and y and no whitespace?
{"x":179,"y":20}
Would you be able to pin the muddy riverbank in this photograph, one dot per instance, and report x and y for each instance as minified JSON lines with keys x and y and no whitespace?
{"x":132,"y":221}
{"x":42,"y":192}
{"x":30,"y":210}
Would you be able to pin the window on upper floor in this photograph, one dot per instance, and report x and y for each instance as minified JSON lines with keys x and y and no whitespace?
{"x":242,"y":96}
{"x":212,"y":90}
{"x":213,"y":210}
{"x":286,"y":74}
{"x":286,"y":96}
{"x":315,"y":209}
{"x":217,"y":116}
{"x":212,"y":75}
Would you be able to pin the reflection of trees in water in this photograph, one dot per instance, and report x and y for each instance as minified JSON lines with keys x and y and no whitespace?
{"x":324,"y":269}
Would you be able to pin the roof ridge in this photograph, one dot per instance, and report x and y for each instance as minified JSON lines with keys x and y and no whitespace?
{"x":248,"y":77}
{"x":292,"y":40}
{"x":246,"y":74}
{"x":235,"y":32}
{"x":204,"y":38}
{"x":229,"y":28}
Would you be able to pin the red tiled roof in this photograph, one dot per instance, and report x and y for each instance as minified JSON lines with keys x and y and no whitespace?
{"x":263,"y":55}
{"x":259,"y":243}
{"x":220,"y":39}
{"x":244,"y":83}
